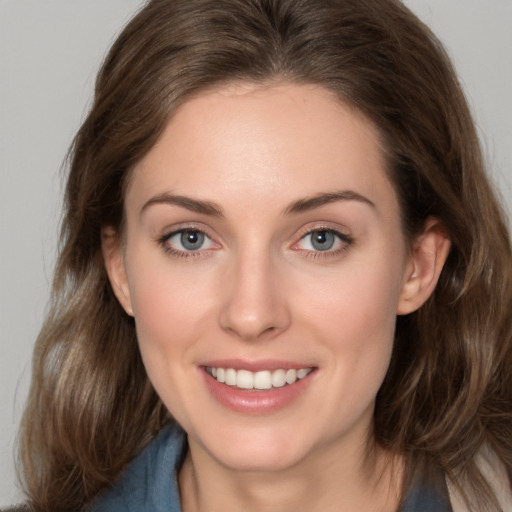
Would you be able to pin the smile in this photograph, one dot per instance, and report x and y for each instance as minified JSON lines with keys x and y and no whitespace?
{"x":260,"y":380}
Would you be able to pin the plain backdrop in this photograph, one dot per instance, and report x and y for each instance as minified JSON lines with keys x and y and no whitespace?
{"x":50,"y":51}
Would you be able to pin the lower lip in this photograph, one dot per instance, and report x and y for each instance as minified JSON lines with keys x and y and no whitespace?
{"x":255,"y":401}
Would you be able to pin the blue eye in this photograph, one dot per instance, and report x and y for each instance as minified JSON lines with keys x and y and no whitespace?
{"x":192,"y":240}
{"x":186,"y":241}
{"x":323,"y":240}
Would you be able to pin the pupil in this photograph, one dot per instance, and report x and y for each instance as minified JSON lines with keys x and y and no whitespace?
{"x":192,"y":240}
{"x":322,"y":240}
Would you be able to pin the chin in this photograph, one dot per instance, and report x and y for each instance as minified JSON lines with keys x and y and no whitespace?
{"x":255,"y":450}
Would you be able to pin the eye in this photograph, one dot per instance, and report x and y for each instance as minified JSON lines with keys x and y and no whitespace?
{"x":323,"y":240}
{"x":320,"y":240}
{"x":186,"y":241}
{"x":189,"y":240}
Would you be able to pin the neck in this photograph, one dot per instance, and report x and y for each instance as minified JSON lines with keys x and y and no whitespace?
{"x":353,"y":478}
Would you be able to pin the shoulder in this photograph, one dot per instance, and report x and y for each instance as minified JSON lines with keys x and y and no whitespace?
{"x":427,"y":492}
{"x":495,"y":473}
{"x":144,"y":485}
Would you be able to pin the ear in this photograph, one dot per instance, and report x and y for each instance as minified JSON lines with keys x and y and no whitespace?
{"x":114,"y":264}
{"x":428,"y":255}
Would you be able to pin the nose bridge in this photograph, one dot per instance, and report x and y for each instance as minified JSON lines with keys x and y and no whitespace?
{"x":253,"y":306}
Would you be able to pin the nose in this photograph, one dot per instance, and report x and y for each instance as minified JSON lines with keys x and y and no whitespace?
{"x":254,"y":305}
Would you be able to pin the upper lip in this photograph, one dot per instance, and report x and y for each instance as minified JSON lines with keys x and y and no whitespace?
{"x":256,"y":365}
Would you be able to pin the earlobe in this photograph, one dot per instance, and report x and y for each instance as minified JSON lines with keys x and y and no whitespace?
{"x":114,"y":264}
{"x":428,"y":256}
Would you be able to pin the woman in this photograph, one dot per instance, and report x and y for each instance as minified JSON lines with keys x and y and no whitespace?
{"x":279,"y":235}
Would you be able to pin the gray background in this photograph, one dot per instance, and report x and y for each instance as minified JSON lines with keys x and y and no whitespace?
{"x":49,"y":53}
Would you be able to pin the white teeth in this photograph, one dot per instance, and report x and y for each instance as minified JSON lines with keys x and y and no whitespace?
{"x":265,"y":379}
{"x":291,"y":376}
{"x":244,"y":379}
{"x":279,"y":378}
{"x":231,"y":377}
{"x":302,"y":373}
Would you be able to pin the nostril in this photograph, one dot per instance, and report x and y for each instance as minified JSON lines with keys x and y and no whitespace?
{"x":253,"y":307}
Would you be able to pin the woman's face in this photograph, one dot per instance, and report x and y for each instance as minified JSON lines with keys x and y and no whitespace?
{"x":264,"y":247}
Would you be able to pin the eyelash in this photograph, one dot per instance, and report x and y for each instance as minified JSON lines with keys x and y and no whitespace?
{"x":346,"y":241}
{"x":163,"y":242}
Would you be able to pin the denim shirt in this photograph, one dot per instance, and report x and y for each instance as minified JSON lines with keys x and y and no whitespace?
{"x":150,"y":482}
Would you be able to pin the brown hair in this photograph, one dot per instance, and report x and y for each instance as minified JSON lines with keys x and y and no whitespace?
{"x":447,"y":393}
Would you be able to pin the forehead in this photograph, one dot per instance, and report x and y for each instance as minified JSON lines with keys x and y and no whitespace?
{"x":281,"y":140}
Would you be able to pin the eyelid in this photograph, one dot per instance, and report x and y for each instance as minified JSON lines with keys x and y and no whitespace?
{"x":323,"y":226}
{"x":172,"y":229}
{"x":184,"y":253}
{"x":345,"y":239}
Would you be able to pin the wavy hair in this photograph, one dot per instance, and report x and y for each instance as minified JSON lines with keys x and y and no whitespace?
{"x":448,"y":390}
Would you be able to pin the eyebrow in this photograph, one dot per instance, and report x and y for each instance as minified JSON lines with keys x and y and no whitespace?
{"x":300,"y":206}
{"x":194,"y":205}
{"x":322,"y":199}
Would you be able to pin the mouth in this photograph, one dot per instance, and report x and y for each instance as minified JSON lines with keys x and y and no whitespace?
{"x":263,"y":380}
{"x":257,"y":388}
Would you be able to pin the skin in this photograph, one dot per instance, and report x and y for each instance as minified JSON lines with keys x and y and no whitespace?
{"x":257,"y":289}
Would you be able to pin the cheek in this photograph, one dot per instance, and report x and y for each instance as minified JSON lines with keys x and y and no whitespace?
{"x":170,"y":306}
{"x":354,"y":313}
{"x":358,"y":299}
{"x":355,"y":323}
{"x":169,"y":303}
